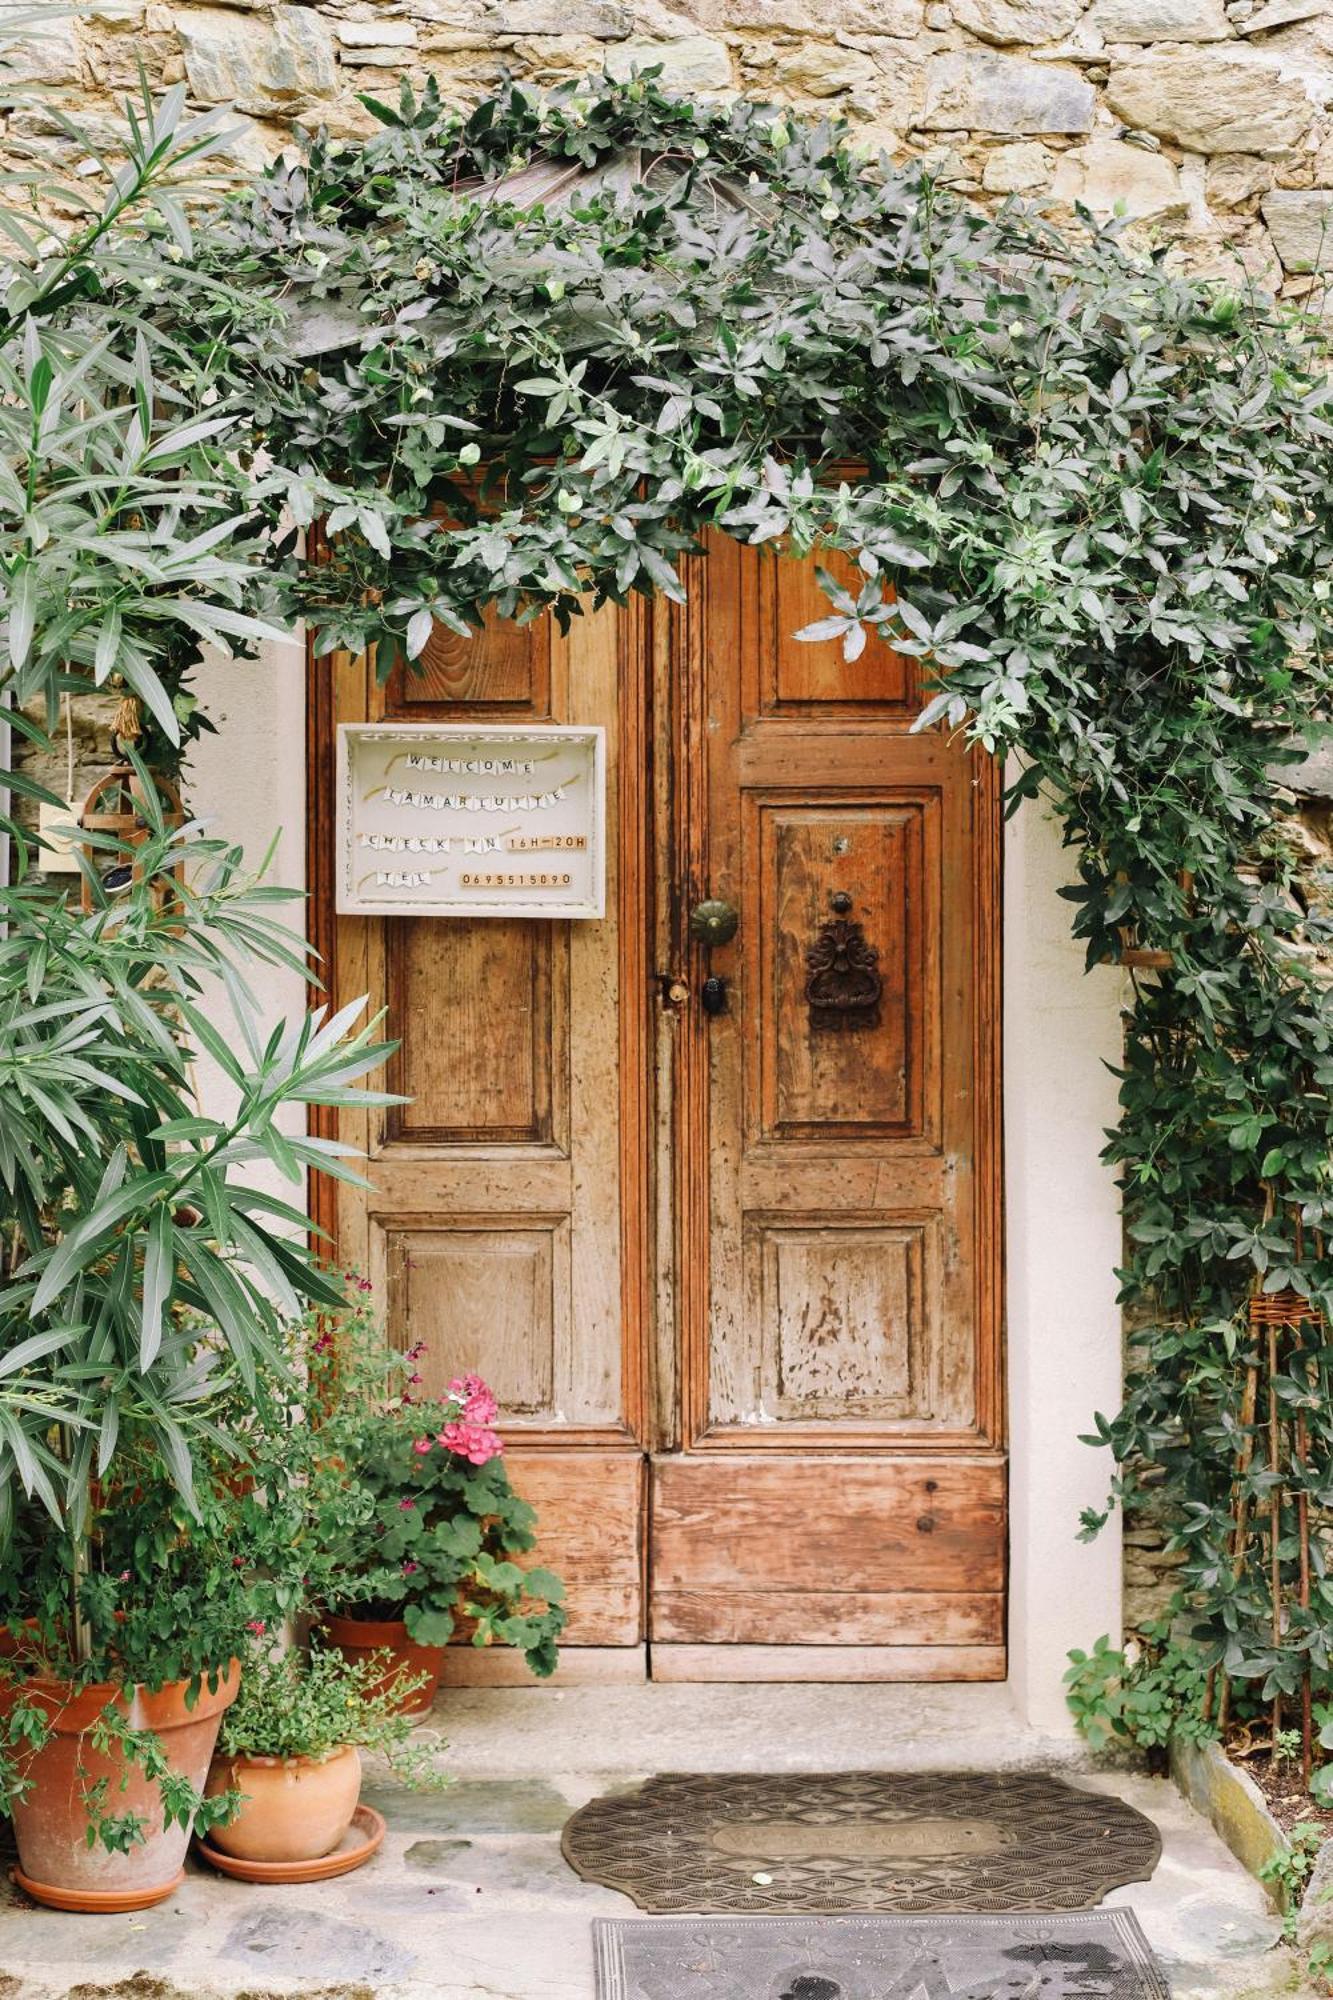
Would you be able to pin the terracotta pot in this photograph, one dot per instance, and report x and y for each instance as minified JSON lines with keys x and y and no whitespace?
{"x":296,"y":1808}
{"x":56,"y":1864}
{"x":358,"y":1638}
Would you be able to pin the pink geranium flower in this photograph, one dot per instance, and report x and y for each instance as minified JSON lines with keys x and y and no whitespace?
{"x":406,"y":1506}
{"x":478,"y":1404}
{"x":471,"y":1441}
{"x":422,"y":1445}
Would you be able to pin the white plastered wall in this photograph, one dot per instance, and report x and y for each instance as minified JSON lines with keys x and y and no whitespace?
{"x":1061,"y":1031}
{"x":247,"y":784}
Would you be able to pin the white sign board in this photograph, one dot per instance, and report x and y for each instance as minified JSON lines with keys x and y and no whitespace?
{"x":451,"y":820}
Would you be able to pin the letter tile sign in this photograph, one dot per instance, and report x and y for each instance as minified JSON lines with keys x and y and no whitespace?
{"x":444,"y":820}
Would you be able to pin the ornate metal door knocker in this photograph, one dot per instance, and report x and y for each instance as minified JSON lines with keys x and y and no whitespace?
{"x":844,"y":986}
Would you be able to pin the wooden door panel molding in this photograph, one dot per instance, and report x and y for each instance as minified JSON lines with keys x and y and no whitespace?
{"x":800,"y":678}
{"x":798,"y":848}
{"x":501,"y":673}
{"x":894,"y":1618}
{"x":746,"y":1522}
{"x":848,"y":1309}
{"x":490,"y":1293}
{"x":590,"y":1507}
{"x":495,"y":1068}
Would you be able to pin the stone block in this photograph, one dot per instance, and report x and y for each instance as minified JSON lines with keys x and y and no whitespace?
{"x":1300,"y":222}
{"x":378,"y":34}
{"x":44,"y":50}
{"x":1016,"y":169}
{"x":1021,"y":22}
{"x":974,"y":92}
{"x":1312,"y":778}
{"x":821,"y":69}
{"x":257,"y":64}
{"x":1235,"y":178}
{"x":1161,"y":20}
{"x":695,"y":62}
{"x":600,"y":20}
{"x":1111,"y":178}
{"x":802,"y":17}
{"x":1281,"y":14}
{"x":1211,"y":101}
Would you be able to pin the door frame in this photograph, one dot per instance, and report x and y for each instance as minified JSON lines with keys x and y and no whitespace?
{"x":662,"y":834}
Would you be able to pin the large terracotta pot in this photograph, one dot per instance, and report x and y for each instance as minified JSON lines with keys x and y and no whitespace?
{"x":56,"y":1864}
{"x":358,"y":1638}
{"x":296,"y":1808}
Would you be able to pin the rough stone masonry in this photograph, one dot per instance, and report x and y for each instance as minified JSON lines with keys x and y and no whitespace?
{"x":1208,"y":122}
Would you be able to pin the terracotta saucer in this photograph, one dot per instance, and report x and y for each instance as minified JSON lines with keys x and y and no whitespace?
{"x":94,"y":1902}
{"x":361,"y":1840}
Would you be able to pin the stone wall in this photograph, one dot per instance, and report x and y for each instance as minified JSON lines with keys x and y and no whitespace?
{"x":1210,"y":122}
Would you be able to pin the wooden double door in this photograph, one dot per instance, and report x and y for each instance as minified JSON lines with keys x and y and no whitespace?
{"x":728,"y":1253}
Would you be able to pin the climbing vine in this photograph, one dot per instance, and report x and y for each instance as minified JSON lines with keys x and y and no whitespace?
{"x":520,"y":360}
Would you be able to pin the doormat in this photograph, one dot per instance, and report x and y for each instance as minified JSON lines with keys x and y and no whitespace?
{"x":877,"y":1958}
{"x":861,"y":1840}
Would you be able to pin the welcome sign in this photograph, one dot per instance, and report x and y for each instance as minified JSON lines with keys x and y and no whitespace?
{"x":447,"y":820}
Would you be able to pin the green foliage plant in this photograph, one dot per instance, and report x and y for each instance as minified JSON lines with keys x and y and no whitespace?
{"x":408,"y":1509}
{"x":143,"y":1278}
{"x":1288,"y":1870}
{"x":1140,"y":1696}
{"x":311,"y":1704}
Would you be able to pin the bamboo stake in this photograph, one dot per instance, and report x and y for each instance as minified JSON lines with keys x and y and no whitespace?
{"x":1275,"y":1516}
{"x":1248,"y":1407}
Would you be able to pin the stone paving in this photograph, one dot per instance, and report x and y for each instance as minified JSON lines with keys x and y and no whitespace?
{"x":469,"y":1898}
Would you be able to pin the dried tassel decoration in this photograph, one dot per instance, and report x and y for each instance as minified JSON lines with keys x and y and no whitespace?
{"x":127,"y":722}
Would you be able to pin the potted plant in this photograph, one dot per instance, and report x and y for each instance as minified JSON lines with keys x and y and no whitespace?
{"x":289,"y":1753}
{"x":121,"y":1657}
{"x":414,"y":1519}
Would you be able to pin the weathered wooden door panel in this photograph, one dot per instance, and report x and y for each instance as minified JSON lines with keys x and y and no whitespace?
{"x":503,"y":1228}
{"x":834,"y":1160}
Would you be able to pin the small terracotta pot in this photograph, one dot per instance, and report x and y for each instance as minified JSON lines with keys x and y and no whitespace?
{"x":358,"y":1638}
{"x":296,"y":1808}
{"x":56,"y":1864}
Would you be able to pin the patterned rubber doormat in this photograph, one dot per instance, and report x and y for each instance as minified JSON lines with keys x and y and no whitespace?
{"x":1102,"y":1954}
{"x":861,"y":1841}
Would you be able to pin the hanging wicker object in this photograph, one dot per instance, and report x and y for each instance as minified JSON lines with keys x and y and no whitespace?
{"x":117,"y":806}
{"x":1285,"y":1308}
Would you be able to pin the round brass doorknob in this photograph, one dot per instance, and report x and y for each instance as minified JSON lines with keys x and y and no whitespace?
{"x":713,"y":921}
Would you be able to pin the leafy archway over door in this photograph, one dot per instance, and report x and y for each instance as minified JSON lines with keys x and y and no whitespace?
{"x":1096,"y":502}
